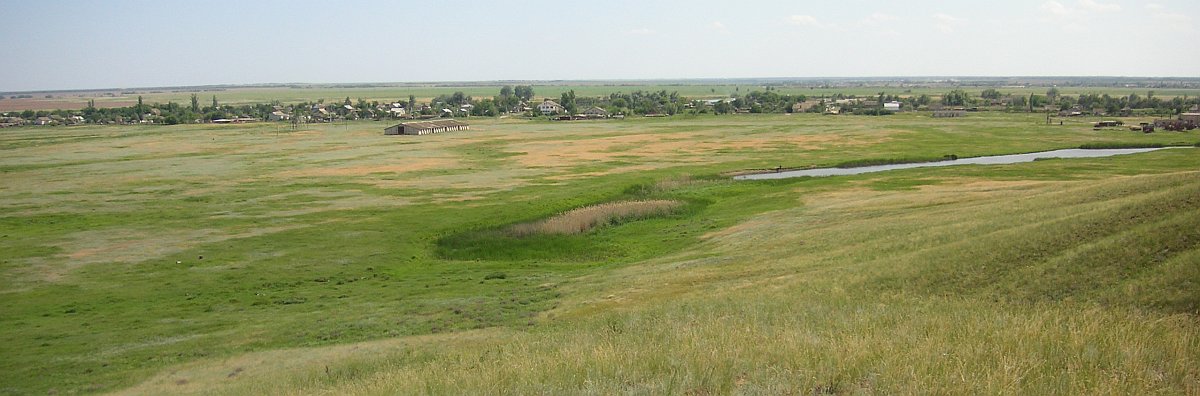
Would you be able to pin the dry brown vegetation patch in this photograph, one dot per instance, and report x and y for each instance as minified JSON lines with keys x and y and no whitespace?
{"x":673,"y":146}
{"x":580,"y":220}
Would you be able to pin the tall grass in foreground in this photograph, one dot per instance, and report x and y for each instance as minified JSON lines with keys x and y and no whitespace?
{"x":580,"y":220}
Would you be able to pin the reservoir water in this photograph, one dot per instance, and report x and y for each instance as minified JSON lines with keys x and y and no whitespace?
{"x":990,"y":160}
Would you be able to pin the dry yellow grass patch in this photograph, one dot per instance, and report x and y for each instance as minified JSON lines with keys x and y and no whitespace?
{"x":408,"y":165}
{"x":127,"y":246}
{"x":581,"y":220}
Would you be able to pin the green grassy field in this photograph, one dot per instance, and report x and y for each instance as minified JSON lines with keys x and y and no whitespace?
{"x":252,"y":259}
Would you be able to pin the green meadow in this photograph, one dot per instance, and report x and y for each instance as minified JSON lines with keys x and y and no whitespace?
{"x":257,"y":259}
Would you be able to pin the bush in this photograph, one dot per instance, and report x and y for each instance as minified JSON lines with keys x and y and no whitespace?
{"x":872,"y":112}
{"x":1118,"y":145}
{"x":495,"y":275}
{"x":892,"y":161}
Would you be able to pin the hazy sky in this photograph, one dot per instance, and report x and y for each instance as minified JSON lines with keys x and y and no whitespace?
{"x":109,"y":44}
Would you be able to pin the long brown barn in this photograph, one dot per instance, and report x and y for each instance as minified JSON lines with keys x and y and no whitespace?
{"x":426,"y":127}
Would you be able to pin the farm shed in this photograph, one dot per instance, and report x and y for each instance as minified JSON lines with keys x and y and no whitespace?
{"x":949,"y":113}
{"x":595,"y":112}
{"x":1193,"y":117}
{"x":426,"y":127}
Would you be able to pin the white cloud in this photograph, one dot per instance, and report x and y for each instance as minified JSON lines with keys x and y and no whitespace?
{"x":807,"y":20}
{"x":1075,"y":19}
{"x":641,"y":31}
{"x":1177,"y":22}
{"x":1154,"y":6}
{"x":1092,"y":5}
{"x":720,"y":27}
{"x":947,"y":23}
{"x":876,"y":19}
{"x":1056,"y":8}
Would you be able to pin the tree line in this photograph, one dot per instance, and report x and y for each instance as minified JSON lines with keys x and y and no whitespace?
{"x":519,"y":98}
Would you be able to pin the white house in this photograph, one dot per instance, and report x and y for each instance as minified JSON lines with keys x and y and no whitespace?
{"x":892,"y":106}
{"x":549,"y":107}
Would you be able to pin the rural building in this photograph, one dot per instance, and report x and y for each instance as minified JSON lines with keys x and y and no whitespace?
{"x":1193,"y":117}
{"x":278,"y":116}
{"x":892,"y":106}
{"x":321,"y":114}
{"x":397,"y":111}
{"x":426,"y":127}
{"x":521,"y":107}
{"x":801,"y":107}
{"x":549,"y":107}
{"x":1074,"y":111}
{"x":595,"y":112}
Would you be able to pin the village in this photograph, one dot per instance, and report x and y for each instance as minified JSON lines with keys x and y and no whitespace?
{"x":1173,"y":114}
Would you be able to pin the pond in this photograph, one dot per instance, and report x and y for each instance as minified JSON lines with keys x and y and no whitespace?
{"x":990,"y":160}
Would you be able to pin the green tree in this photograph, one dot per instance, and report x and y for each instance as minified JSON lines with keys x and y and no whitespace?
{"x":568,"y":101}
{"x":296,"y":117}
{"x":195,"y":104}
{"x":956,"y":97}
{"x":990,"y":93}
{"x":525,"y":92}
{"x":458,"y":98}
{"x":215,"y":106}
{"x":506,"y":91}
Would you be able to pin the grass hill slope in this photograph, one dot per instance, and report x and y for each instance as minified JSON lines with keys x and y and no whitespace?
{"x":969,"y":286}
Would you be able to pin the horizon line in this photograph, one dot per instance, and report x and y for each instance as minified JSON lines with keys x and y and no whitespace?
{"x":928,"y":78}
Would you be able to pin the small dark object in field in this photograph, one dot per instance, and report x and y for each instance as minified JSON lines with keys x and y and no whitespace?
{"x":200,"y":258}
{"x":495,"y":275}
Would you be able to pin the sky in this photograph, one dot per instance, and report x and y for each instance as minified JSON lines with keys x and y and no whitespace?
{"x":60,"y":45}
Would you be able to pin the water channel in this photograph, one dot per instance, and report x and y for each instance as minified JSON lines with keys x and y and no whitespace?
{"x":989,"y":160}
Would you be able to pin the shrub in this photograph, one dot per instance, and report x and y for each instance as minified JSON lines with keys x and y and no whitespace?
{"x":893,"y":161}
{"x":1118,"y":145}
